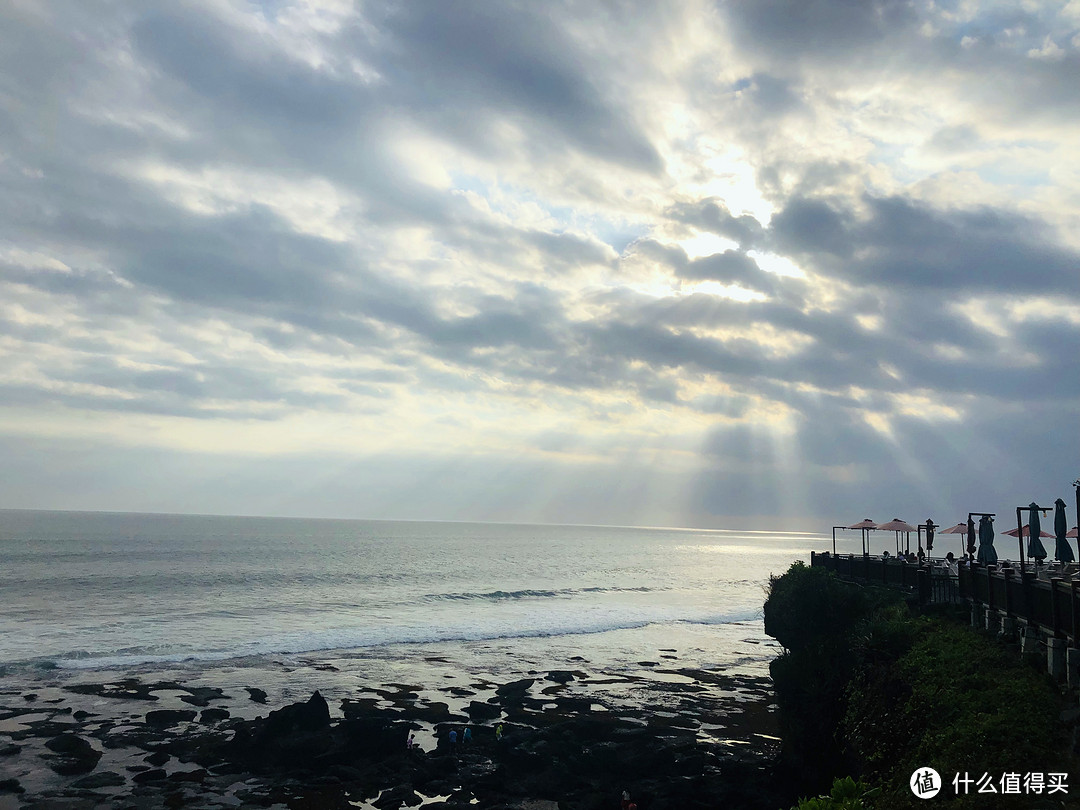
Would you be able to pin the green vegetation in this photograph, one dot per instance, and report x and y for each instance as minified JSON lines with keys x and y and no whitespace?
{"x":866,"y":688}
{"x":846,"y":794}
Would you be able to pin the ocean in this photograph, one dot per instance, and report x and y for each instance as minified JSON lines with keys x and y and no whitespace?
{"x":137,"y":593}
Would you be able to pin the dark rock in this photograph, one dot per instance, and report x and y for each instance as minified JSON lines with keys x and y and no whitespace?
{"x":29,"y":697}
{"x":82,"y":715}
{"x":257,"y":695}
{"x":9,"y":750}
{"x":213,"y":715}
{"x":402,"y":796}
{"x":202,"y":695}
{"x":167,"y":718}
{"x":153,"y":775}
{"x":70,"y":745}
{"x":99,"y":780}
{"x":126,"y":689}
{"x":560,"y":676}
{"x":11,"y":786}
{"x":515,"y":690}
{"x":157,"y":759}
{"x":197,"y":776}
{"x":482,"y":711}
{"x":314,"y":715}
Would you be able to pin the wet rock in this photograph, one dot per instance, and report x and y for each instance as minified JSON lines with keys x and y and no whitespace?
{"x":482,"y":711}
{"x":99,"y":780}
{"x":403,"y":796}
{"x":202,"y":695}
{"x":167,"y":718}
{"x":126,"y":689}
{"x":560,"y":676}
{"x":257,"y":695}
{"x":75,"y":755}
{"x":158,"y":758}
{"x":9,"y":750}
{"x":196,"y":776}
{"x":152,"y":775}
{"x":11,"y":786}
{"x":314,"y":715}
{"x":515,"y":690}
{"x":213,"y":715}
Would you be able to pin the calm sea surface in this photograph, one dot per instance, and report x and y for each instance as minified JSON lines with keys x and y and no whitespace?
{"x":106,"y":590}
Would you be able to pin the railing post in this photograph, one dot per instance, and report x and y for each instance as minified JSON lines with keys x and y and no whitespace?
{"x":923,"y":579}
{"x":989,"y":589}
{"x":1074,"y":610}
{"x":1055,"y":612}
{"x":1007,"y":576}
{"x":1027,"y":582}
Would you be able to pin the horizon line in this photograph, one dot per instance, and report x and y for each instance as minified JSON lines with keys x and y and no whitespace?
{"x":420,"y":520}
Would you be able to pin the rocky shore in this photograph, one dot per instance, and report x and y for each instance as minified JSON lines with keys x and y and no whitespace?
{"x":674,"y":737}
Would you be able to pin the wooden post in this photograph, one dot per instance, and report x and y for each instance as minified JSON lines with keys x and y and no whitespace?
{"x":1074,"y":610}
{"x":1055,"y":613}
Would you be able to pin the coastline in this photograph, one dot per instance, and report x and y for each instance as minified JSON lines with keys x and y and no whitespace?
{"x":674,"y":732}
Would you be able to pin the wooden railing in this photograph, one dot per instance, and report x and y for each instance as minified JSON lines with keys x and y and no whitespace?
{"x":1051,"y":604}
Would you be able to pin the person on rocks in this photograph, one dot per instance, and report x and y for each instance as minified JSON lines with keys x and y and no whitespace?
{"x":625,"y":800}
{"x":466,"y":736}
{"x":411,"y":744}
{"x":499,"y":733}
{"x":452,"y":738}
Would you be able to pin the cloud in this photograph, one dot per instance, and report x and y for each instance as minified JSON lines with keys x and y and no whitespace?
{"x":723,"y":251}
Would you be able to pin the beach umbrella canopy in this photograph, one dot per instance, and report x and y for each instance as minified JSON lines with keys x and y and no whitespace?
{"x":1062,"y":549}
{"x":897,"y":525}
{"x":1073,"y":532}
{"x":959,"y":528}
{"x":864,"y":524}
{"x":1027,"y":532}
{"x":1036,"y":550}
{"x":987,"y":553}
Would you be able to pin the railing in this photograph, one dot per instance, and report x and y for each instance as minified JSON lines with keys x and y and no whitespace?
{"x":1052,"y":604}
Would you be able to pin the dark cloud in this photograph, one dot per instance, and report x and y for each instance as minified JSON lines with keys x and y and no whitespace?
{"x":713,"y":216}
{"x":906,"y":243}
{"x":836,"y":27}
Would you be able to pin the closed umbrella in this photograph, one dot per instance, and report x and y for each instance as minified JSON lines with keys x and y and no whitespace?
{"x":987,"y":553}
{"x":929,"y":535}
{"x":1062,"y":549}
{"x":1036,"y":550}
{"x":971,"y":535}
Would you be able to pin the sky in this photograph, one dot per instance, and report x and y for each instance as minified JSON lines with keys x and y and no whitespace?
{"x":747,"y":263}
